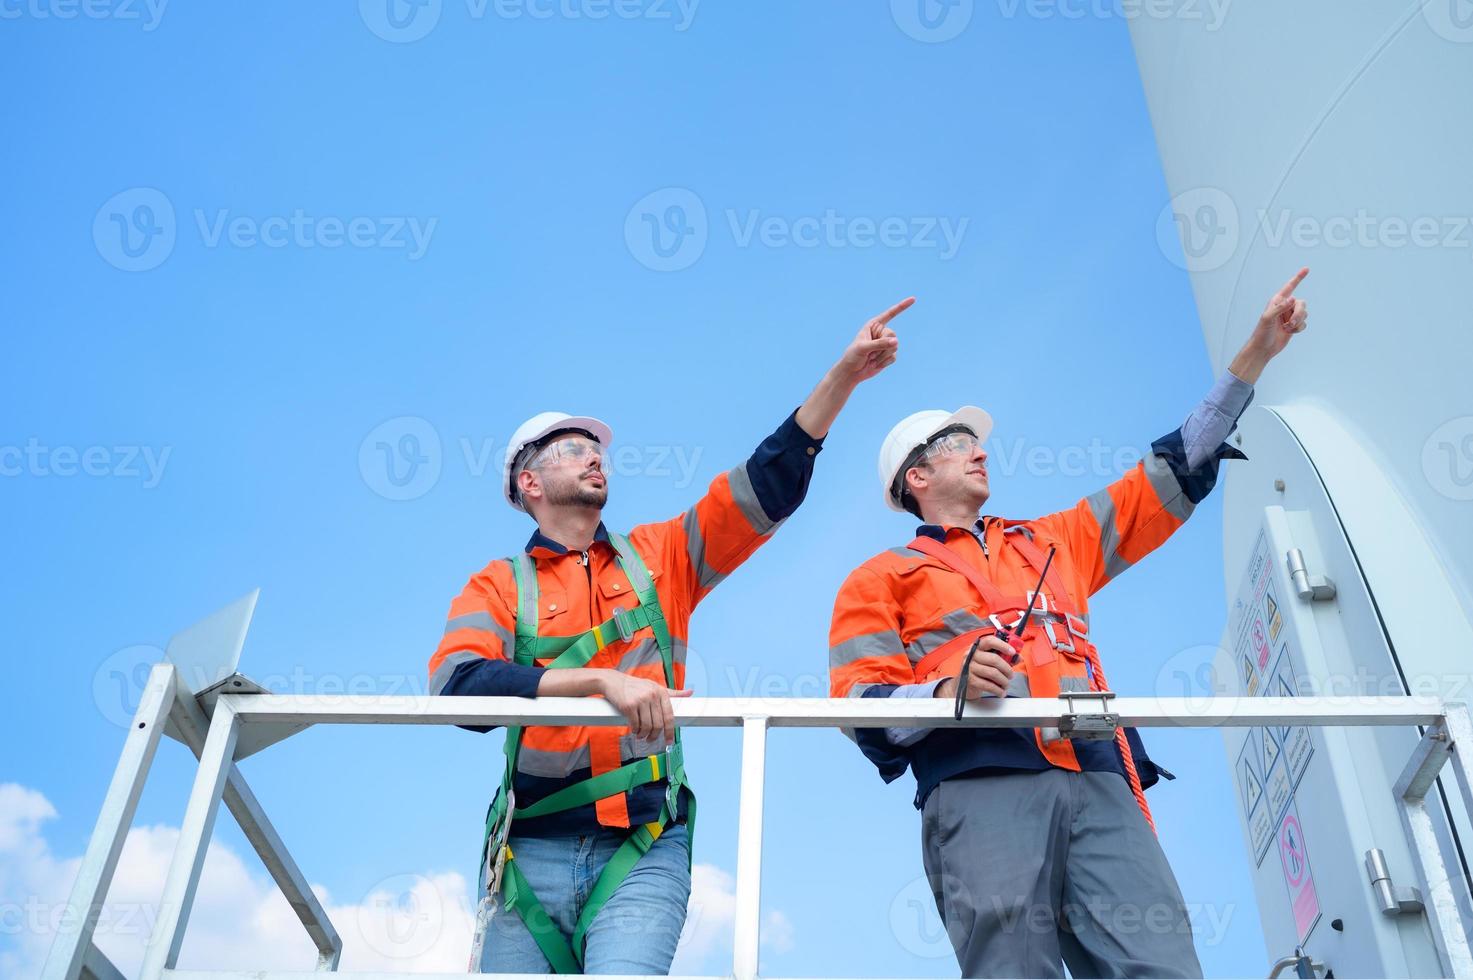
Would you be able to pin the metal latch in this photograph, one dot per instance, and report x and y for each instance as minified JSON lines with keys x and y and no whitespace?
{"x":1091,"y":726}
{"x":1314,"y":588}
{"x":1394,"y":901}
{"x":1302,"y":964}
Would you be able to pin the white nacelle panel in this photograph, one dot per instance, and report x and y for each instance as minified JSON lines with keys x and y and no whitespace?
{"x":1312,"y":801}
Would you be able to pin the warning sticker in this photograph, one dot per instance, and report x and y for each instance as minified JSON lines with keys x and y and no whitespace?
{"x":1275,"y":621}
{"x":1270,"y":749}
{"x":1260,"y":642}
{"x":1248,"y":673}
{"x":1298,"y":878}
{"x":1252,"y":789}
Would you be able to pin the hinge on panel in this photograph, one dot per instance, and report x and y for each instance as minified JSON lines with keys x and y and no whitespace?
{"x":1393,"y":900}
{"x":1314,"y":588}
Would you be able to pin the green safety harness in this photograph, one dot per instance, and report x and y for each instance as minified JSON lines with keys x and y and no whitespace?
{"x":566,"y":956}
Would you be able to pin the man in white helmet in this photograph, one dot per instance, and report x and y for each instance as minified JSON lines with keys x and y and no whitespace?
{"x":1039,"y":848}
{"x":587,"y":862}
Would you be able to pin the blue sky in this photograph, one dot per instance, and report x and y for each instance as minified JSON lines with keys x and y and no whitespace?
{"x":337,"y":237}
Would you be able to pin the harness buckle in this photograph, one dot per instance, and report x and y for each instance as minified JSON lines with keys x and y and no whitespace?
{"x":1099,"y":726}
{"x":624,"y":623}
{"x":1059,"y":639}
{"x":672,"y":788}
{"x":497,"y":850}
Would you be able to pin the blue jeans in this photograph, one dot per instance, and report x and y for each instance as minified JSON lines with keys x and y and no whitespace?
{"x":636,"y":930}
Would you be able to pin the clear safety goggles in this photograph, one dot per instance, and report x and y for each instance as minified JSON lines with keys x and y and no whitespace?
{"x":575,"y":449}
{"x":952,"y":444}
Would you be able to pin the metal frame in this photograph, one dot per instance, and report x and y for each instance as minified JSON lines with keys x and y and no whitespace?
{"x":221,"y":729}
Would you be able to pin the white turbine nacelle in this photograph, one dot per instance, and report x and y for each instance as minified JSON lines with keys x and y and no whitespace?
{"x":1338,"y":137}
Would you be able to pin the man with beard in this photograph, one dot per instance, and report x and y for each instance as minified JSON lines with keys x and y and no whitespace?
{"x":593,"y":874}
{"x":1040,"y":849}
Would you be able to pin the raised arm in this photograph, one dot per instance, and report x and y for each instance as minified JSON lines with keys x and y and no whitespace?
{"x":1112,"y":529}
{"x":745,"y":505}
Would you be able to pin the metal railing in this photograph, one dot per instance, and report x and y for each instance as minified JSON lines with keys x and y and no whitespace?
{"x":229,"y":722}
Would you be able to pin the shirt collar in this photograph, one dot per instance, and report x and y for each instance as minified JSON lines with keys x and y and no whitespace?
{"x":938,"y":531}
{"x":541,"y":546}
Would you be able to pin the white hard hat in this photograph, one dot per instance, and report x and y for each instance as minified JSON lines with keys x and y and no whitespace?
{"x":914,"y":431}
{"x":538,"y":427}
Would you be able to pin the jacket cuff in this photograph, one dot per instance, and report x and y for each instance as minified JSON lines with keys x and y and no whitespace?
{"x":1196,"y":482}
{"x":781,"y":469}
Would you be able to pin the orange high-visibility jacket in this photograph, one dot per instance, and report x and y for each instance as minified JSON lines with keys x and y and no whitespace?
{"x":687,"y":557}
{"x":902,"y":605}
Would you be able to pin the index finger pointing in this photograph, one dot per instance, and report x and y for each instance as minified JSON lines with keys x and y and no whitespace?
{"x":1292,"y":284}
{"x":895,"y":310}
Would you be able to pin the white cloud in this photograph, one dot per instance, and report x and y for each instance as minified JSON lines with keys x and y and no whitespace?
{"x":706,"y":943}
{"x":406,"y":923}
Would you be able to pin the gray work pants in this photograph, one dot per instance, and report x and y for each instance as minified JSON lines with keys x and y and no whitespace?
{"x":1032,"y":870}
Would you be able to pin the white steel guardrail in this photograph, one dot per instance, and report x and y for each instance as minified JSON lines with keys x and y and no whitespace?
{"x":235,"y":718}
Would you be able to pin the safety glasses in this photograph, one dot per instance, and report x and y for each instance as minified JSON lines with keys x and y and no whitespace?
{"x":574,"y":449}
{"x":952,"y":444}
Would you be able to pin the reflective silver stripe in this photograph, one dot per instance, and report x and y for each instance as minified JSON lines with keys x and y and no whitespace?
{"x":904,"y":552}
{"x":442,"y":673}
{"x":746,"y":500}
{"x":1102,"y":505}
{"x":632,"y":563}
{"x":527,"y":599}
{"x":550,"y":764}
{"x":1168,"y":488}
{"x":885,"y":643}
{"x":857,"y":691}
{"x":1018,"y":685}
{"x":481,"y":621}
{"x":1074,"y":684}
{"x":695,"y":545}
{"x":647,"y":652}
{"x":954,"y":624}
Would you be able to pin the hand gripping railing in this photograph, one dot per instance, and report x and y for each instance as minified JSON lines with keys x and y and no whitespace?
{"x":227,"y":727}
